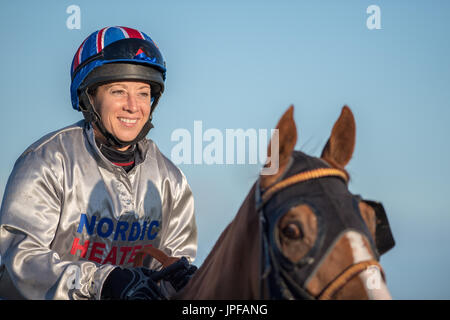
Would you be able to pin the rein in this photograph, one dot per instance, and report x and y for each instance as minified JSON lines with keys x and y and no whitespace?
{"x":155,"y":253}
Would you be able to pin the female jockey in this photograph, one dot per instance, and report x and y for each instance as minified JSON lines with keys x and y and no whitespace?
{"x":83,"y":200}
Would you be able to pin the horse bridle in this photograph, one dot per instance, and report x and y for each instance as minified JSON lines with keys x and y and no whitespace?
{"x":278,"y":273}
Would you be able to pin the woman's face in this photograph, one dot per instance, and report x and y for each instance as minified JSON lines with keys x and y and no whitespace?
{"x":124,"y":107}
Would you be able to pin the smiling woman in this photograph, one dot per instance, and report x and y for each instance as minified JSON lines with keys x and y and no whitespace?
{"x":124,"y":109}
{"x":98,"y":175}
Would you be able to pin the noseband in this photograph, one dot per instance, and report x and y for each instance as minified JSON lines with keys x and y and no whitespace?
{"x":280,"y":276}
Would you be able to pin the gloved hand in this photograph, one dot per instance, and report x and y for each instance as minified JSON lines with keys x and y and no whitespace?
{"x":178,"y":273}
{"x":132,"y":284}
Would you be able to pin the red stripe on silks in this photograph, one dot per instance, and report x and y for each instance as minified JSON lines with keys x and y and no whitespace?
{"x":133,"y":33}
{"x":123,"y":164}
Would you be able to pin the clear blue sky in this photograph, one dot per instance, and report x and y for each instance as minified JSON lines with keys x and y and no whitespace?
{"x":240,"y":64}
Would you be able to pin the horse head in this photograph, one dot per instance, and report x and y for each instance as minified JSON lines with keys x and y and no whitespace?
{"x":300,"y":233}
{"x":319,"y":241}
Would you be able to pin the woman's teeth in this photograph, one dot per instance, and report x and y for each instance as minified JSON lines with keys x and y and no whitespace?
{"x":132,"y":121}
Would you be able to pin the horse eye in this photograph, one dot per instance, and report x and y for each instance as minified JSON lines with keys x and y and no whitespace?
{"x":293,"y":230}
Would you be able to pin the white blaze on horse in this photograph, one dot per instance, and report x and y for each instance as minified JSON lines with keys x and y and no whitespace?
{"x":300,"y":233}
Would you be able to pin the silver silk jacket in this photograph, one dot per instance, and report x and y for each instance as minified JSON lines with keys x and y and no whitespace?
{"x":69,"y":216}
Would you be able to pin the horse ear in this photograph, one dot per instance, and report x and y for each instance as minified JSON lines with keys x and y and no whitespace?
{"x":287,"y":138}
{"x":340,"y":146}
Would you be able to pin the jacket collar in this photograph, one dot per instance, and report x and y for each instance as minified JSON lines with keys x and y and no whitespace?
{"x":142,"y":149}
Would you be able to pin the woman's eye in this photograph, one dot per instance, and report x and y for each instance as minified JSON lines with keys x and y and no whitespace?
{"x":118,"y":92}
{"x":145,"y":94}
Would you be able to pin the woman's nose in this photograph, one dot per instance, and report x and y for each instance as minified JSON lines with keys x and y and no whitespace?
{"x":131,"y":105}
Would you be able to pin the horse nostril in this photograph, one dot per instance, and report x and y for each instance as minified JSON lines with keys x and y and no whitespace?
{"x":293,"y":230}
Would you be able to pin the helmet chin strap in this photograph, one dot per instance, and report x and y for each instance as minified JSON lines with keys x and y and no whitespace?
{"x":91,"y":115}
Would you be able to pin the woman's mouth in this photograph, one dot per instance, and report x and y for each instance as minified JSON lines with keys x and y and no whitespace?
{"x":127,"y":122}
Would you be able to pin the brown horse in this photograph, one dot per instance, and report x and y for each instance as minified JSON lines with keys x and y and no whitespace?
{"x":299,"y":234}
